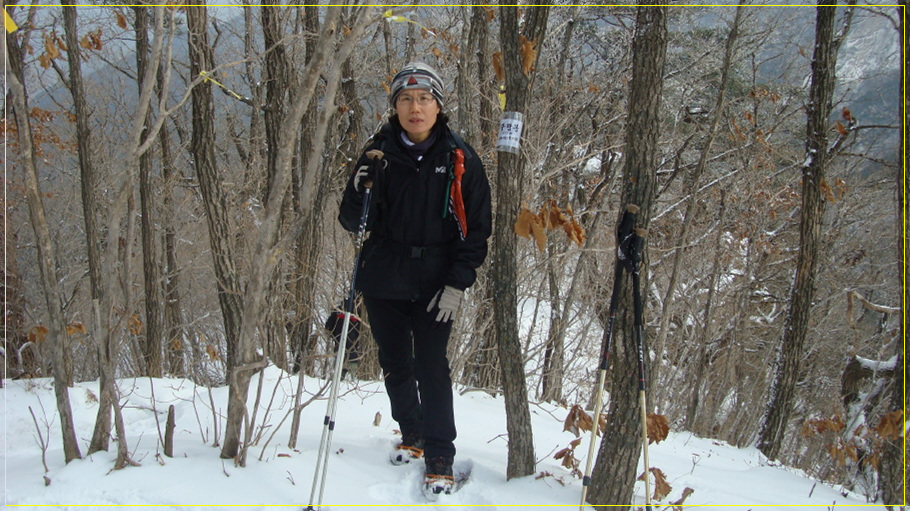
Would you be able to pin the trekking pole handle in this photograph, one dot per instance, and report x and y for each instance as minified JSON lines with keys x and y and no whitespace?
{"x":627,"y":223}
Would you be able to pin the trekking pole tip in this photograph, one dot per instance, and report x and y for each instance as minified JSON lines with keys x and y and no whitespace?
{"x":632,"y":208}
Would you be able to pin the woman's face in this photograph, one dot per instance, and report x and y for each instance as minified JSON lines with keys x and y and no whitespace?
{"x":417,"y":111}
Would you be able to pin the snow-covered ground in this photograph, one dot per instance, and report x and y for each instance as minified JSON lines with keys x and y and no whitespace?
{"x":359,"y":473}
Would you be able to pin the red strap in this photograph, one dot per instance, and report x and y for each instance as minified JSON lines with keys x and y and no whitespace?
{"x":455,"y":194}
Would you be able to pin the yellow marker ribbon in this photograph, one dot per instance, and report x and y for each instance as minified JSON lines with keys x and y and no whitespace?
{"x":388,"y":15}
{"x":8,"y":22}
{"x":206,"y":76}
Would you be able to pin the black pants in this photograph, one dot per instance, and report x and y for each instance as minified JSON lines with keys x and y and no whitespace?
{"x":412,"y":353}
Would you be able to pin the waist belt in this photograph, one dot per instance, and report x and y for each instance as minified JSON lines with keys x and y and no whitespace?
{"x":414,"y":252}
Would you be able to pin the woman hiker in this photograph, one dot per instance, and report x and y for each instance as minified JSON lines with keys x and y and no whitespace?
{"x":429,"y":220}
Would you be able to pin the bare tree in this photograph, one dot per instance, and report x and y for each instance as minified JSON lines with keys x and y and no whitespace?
{"x":893,"y":481}
{"x":508,"y":192}
{"x":821,"y":92}
{"x":268,"y":243}
{"x":47,"y":263}
{"x":214,"y":199}
{"x":154,"y":315}
{"x":614,"y":474}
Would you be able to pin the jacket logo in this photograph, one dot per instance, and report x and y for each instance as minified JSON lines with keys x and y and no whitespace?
{"x":440,"y":170}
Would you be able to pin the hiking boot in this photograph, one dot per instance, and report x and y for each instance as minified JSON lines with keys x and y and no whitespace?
{"x":439,"y":478}
{"x":410,"y":448}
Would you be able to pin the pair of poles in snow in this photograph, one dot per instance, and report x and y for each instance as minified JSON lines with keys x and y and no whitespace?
{"x":328,"y":423}
{"x":629,"y":241}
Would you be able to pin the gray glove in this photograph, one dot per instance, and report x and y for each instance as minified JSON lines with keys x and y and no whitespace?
{"x":363,"y":178}
{"x":448,"y":300}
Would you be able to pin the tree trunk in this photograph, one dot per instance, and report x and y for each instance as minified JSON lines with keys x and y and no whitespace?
{"x":893,"y":481}
{"x":480,"y":34}
{"x":176,"y":338}
{"x":719,"y":390}
{"x":44,"y":243}
{"x":554,"y":353}
{"x":277,"y":85}
{"x":504,"y":267}
{"x":214,"y":199}
{"x":147,"y":199}
{"x":267,"y":244}
{"x":102,"y":431}
{"x":614,"y":473}
{"x":87,"y":171}
{"x":787,"y":367}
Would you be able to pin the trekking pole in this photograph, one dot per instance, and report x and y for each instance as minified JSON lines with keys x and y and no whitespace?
{"x":328,"y":424}
{"x":635,"y":259}
{"x":622,"y":233}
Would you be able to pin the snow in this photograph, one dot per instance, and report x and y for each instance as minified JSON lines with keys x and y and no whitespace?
{"x":359,"y":472}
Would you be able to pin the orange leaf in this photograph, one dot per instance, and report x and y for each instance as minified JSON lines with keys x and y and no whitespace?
{"x":121,"y":20}
{"x":135,"y":324}
{"x":840,"y":128}
{"x":76,"y":328}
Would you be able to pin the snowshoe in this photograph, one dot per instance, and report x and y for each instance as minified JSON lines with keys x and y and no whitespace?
{"x":440,"y":478}
{"x":409,"y":449}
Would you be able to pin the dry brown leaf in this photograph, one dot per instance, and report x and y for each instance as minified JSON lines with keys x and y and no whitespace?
{"x":891,"y":426}
{"x":677,"y":504}
{"x":37,"y":334}
{"x":577,"y":421}
{"x":497,"y":66}
{"x":76,"y":328}
{"x":661,"y":487}
{"x":528,"y":54}
{"x":658,"y":428}
{"x":847,"y":115}
{"x":50,"y":49}
{"x":840,"y":128}
{"x":135,"y":324}
{"x":540,"y":233}
{"x":121,"y":21}
{"x":523,"y":223}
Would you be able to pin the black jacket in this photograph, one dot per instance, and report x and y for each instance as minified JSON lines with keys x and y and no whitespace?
{"x":415,"y":247}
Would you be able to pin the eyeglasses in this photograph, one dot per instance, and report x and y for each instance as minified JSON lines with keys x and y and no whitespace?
{"x":422,"y":100}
